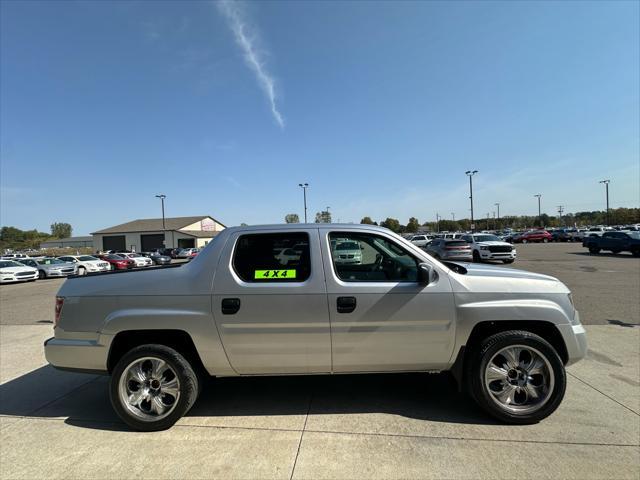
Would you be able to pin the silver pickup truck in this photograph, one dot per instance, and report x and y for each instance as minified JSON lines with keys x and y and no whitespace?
{"x":241,"y":308}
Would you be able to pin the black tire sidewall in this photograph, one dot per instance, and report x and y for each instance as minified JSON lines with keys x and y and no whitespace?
{"x":189,"y":386}
{"x":490,"y":347}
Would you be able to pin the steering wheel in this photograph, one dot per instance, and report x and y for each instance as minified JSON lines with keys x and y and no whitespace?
{"x":378,"y":263}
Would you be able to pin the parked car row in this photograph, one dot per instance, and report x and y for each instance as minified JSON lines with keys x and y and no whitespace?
{"x":21,"y":268}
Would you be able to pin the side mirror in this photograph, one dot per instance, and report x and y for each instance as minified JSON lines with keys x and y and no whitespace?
{"x":426,"y":274}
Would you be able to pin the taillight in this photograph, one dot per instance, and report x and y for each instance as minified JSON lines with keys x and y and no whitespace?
{"x":58,"y":310}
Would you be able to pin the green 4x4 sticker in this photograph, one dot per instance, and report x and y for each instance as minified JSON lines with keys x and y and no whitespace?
{"x":273,"y":274}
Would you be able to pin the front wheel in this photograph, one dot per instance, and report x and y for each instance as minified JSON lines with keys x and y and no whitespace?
{"x":82,"y":271}
{"x":594,"y":250}
{"x":545,"y":240}
{"x":476,"y":257}
{"x":41,"y":274}
{"x":517,"y":377}
{"x":524,"y":240}
{"x":152,"y":387}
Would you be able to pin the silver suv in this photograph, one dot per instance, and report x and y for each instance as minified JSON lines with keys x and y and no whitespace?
{"x":240,"y":308}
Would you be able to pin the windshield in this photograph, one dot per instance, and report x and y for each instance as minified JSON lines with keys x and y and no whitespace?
{"x":134,"y":255}
{"x":10,"y":263}
{"x":50,"y":261}
{"x":347,"y":246}
{"x":486,"y":238}
{"x":635,"y":235}
{"x":87,"y":258}
{"x":113,"y":256}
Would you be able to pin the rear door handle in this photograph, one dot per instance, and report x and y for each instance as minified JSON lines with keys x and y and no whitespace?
{"x":230,"y":306}
{"x":346,"y":304}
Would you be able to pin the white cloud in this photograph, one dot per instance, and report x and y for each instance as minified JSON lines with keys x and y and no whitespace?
{"x":246,"y":38}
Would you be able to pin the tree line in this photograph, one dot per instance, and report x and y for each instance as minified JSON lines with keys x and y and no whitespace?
{"x":617,"y":216}
{"x":15,"y":239}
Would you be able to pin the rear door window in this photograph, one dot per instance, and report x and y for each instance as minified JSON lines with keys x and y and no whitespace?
{"x":271,"y":257}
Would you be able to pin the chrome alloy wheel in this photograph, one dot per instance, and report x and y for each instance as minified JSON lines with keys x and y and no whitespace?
{"x":519,"y":379}
{"x":149,"y":388}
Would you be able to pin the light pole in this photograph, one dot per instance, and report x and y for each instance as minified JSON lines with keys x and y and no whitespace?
{"x":304,"y":187}
{"x":539,"y":195}
{"x":470,"y":174}
{"x":437,"y":223}
{"x":328,"y":214}
{"x":606,"y":185}
{"x":498,"y":206}
{"x":164,"y":228}
{"x":453,"y":216}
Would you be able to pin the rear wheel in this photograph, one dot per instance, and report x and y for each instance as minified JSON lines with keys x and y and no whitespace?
{"x":41,"y":274}
{"x":476,"y":256}
{"x":545,"y":240}
{"x":636,"y":252}
{"x":615,"y":251}
{"x":524,"y":240}
{"x":517,"y":377}
{"x":152,"y":387}
{"x":594,"y":250}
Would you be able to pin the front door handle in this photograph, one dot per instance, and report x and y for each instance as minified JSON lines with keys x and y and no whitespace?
{"x":346,"y":304}
{"x":230,"y":306}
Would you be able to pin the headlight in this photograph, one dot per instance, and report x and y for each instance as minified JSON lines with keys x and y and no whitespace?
{"x":483,"y":247}
{"x":5,"y":273}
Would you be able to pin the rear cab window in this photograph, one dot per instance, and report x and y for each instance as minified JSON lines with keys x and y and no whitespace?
{"x":272,"y":257}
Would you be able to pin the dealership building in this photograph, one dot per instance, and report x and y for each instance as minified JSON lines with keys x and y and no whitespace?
{"x":148,"y":234}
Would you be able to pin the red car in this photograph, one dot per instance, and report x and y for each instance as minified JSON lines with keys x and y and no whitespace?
{"x":534,"y":236}
{"x":117,"y":262}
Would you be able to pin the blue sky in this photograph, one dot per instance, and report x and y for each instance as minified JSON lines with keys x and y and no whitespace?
{"x":380,"y":107}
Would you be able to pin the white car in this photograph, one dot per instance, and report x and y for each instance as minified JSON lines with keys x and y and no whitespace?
{"x":421,"y":240}
{"x":141,"y":260}
{"x":489,"y":247}
{"x":87,"y":263}
{"x":11,"y":272}
{"x":12,"y":256}
{"x":348,"y":252}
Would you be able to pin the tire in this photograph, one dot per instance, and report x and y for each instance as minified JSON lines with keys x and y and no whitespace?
{"x":510,"y":260}
{"x":112,"y":267}
{"x":176,"y":375}
{"x":82,"y":271}
{"x":616,"y":251}
{"x":524,"y":240}
{"x":41,"y":274}
{"x":594,"y":250}
{"x":519,"y":407}
{"x":476,"y":257}
{"x":636,"y":252}
{"x":545,"y":240}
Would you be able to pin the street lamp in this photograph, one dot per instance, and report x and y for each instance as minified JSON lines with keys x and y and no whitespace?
{"x":304,"y":187}
{"x":470,"y":174}
{"x":164,"y":228}
{"x":606,"y":184}
{"x":438,"y":223}
{"x":539,"y":195}
{"x":498,"y":205}
{"x":453,"y":216}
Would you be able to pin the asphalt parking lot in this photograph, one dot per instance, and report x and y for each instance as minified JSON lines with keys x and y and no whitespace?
{"x":60,"y":425}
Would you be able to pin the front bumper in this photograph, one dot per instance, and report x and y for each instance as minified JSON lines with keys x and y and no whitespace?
{"x":58,"y":273}
{"x":575,"y":339}
{"x":487,"y":255}
{"x":15,"y":279}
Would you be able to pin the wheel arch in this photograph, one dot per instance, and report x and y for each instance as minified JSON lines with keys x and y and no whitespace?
{"x":544,"y":329}
{"x":179,"y":340}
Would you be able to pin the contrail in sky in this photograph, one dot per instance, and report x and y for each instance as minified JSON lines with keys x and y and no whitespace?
{"x":245,"y":38}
